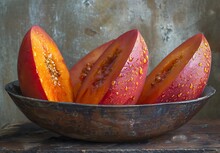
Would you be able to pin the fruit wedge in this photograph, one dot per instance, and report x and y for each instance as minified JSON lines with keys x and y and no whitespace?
{"x":42,"y":72}
{"x":182,"y":75}
{"x":117,"y":77}
{"x":81,"y":69}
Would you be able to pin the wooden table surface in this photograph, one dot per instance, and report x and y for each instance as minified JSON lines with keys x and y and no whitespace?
{"x":195,"y":136}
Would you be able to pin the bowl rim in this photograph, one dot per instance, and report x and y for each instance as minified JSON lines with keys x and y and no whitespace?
{"x":16,"y":82}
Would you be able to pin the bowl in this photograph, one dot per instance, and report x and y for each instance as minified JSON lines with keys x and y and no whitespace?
{"x":107,"y":123}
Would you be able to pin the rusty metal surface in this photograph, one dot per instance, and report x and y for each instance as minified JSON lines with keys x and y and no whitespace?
{"x":107,"y":123}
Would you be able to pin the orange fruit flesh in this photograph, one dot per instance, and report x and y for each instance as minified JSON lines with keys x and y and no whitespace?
{"x":127,"y":87}
{"x":168,"y":69}
{"x":106,"y":69}
{"x":50,"y":66}
{"x":80,"y":70}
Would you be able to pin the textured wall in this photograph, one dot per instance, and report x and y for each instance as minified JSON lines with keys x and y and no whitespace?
{"x":79,"y":26}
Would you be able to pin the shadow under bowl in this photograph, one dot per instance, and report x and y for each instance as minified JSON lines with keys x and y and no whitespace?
{"x":107,"y":123}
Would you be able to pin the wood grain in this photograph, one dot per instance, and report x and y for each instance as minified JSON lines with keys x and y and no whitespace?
{"x":195,"y":136}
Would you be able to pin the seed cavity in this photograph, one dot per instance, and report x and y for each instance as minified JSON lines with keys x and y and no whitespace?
{"x":165,"y":72}
{"x":51,"y":67}
{"x":85,"y":71}
{"x":158,"y":78}
{"x":105,"y":68}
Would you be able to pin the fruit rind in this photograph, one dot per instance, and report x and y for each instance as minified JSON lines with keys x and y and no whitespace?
{"x":107,"y":68}
{"x":42,"y":72}
{"x":127,"y":87}
{"x":186,"y":80}
{"x":81,"y":69}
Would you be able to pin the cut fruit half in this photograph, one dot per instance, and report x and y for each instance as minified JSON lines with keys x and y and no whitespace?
{"x":42,"y":72}
{"x":118,"y":75}
{"x":182,"y":75}
{"x":81,"y":69}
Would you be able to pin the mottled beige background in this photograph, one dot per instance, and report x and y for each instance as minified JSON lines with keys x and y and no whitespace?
{"x":78,"y":26}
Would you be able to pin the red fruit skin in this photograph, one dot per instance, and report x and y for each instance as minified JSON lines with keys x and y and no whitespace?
{"x":76,"y":71}
{"x":186,"y":80}
{"x":127,"y":87}
{"x":191,"y":81}
{"x":121,"y":83}
{"x":26,"y":67}
{"x":34,"y":76}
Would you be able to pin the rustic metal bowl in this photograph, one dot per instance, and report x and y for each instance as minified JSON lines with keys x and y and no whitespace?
{"x":103,"y":123}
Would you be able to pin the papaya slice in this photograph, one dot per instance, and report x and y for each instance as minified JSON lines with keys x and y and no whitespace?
{"x":42,"y":72}
{"x":80,"y":70}
{"x":118,"y":75}
{"x":182,"y":75}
